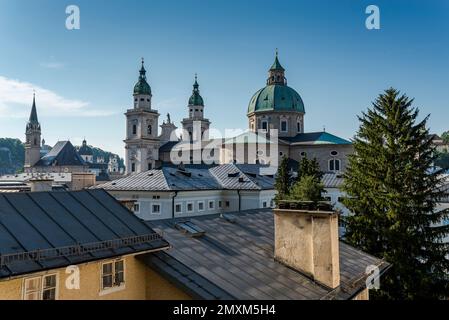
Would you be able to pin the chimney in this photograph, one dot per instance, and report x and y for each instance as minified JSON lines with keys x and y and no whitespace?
{"x":307,"y":241}
{"x":38,"y":185}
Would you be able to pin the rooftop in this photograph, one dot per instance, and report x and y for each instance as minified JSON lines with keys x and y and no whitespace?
{"x":47,"y":230}
{"x":222,"y":177}
{"x":234,"y":260}
{"x":62,"y":154}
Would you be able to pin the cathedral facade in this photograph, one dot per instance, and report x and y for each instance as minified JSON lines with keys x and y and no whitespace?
{"x":274,"y":107}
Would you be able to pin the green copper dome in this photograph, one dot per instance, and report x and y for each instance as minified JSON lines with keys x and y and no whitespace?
{"x":142,"y":86}
{"x":196,"y":99}
{"x":276,"y":98}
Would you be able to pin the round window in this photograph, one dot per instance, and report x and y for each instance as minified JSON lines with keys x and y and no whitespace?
{"x":334,"y":153}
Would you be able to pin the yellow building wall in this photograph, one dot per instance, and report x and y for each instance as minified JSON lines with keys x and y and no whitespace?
{"x":140,"y":283}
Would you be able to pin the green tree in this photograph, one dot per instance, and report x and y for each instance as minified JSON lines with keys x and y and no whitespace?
{"x":283,"y":180}
{"x":306,"y":189}
{"x":309,"y":168}
{"x":445,"y":137}
{"x":393,"y":194}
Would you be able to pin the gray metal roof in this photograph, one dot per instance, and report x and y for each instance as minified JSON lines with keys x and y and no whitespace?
{"x":62,"y":154}
{"x":235,"y":260}
{"x":332,"y":180}
{"x":222,"y":177}
{"x":46,"y":221}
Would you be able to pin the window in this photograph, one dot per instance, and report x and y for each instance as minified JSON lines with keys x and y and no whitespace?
{"x":264,"y":125}
{"x":298,"y":127}
{"x":155,"y":208}
{"x":49,"y":288}
{"x":40,"y":288}
{"x":134,"y":129}
{"x":303,"y":154}
{"x":156,"y":197}
{"x":220,"y":204}
{"x":178,"y":208}
{"x":150,"y":166}
{"x":283,"y":126}
{"x":142,"y":99}
{"x":133,"y":167}
{"x":264,"y":204}
{"x":113,"y":274}
{"x":334,"y":165}
{"x":281,"y":153}
{"x":149,"y":129}
{"x":334,"y":153}
{"x":211,"y":205}
{"x":200,"y":205}
{"x":228,"y":204}
{"x":190,"y":207}
{"x":136,"y":207}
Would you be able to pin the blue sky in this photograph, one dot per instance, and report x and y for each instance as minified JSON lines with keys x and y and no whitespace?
{"x":84,"y":78}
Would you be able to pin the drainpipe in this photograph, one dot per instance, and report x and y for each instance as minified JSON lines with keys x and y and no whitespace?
{"x":240,"y":198}
{"x":173,"y":205}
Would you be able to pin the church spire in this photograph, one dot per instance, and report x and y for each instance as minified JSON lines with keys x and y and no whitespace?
{"x":196,"y":99}
{"x":142,"y":87}
{"x":33,"y":115}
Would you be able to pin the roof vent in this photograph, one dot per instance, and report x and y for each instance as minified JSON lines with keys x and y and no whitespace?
{"x":151,"y":174}
{"x":242,"y":179}
{"x":186,"y":173}
{"x":191,"y":229}
{"x":233,"y":175}
{"x":229,"y":217}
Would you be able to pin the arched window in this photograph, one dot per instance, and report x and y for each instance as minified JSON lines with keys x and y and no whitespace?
{"x":134,"y":129}
{"x":149,"y":129}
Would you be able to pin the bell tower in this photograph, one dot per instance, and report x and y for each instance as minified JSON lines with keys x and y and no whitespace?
{"x":196,"y":114}
{"x":33,"y":138}
{"x":142,"y":142}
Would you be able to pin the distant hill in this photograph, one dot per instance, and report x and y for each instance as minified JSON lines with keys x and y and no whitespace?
{"x":12,"y":156}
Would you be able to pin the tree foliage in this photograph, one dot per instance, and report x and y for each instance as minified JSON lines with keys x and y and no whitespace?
{"x":393,"y":194}
{"x":283,"y":180}
{"x":306,"y":189}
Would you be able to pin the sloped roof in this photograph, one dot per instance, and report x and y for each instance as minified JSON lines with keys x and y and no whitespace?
{"x":316,"y":138}
{"x":56,"y":220}
{"x":236,"y":260}
{"x":62,"y":154}
{"x":332,"y":180}
{"x":170,"y":178}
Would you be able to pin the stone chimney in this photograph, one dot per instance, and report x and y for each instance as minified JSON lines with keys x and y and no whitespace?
{"x":307,"y":241}
{"x":38,"y":185}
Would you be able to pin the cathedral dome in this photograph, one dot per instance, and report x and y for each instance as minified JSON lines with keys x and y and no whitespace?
{"x":276,"y":97}
{"x":142,"y":86}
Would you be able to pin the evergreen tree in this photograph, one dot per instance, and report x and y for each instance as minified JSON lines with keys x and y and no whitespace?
{"x":309,"y":168}
{"x":306,"y":189}
{"x":283,"y":180}
{"x":392,"y":192}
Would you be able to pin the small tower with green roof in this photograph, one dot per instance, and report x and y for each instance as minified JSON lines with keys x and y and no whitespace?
{"x":196,"y":117}
{"x":33,"y":138}
{"x":142,"y":122}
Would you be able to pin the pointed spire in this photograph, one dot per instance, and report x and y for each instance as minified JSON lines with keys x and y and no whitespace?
{"x":142,"y":70}
{"x":196,"y":85}
{"x":277,"y":65}
{"x":33,"y":114}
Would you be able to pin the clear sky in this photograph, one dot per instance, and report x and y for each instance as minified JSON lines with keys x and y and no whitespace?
{"x":84,"y":78}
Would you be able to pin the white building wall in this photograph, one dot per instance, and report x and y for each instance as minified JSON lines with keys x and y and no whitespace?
{"x":200,"y":202}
